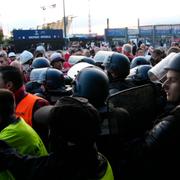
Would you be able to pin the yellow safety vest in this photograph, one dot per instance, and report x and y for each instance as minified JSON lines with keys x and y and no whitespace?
{"x":109,"y":173}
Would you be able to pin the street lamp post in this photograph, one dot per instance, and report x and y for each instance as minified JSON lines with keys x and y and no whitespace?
{"x":64,"y":19}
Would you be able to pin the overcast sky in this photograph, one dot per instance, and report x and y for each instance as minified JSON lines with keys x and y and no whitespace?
{"x":25,"y":14}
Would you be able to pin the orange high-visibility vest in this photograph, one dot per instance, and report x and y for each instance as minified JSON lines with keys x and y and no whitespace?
{"x":25,"y":107}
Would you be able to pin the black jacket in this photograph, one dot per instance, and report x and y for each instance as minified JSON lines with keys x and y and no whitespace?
{"x":69,"y":165}
{"x":119,"y":84}
{"x":157,"y":154}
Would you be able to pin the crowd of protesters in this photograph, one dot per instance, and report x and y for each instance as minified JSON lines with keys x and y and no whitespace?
{"x":56,"y":123}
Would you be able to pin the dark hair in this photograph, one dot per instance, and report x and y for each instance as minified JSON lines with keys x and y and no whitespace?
{"x":173,"y":49}
{"x":160,"y":52}
{"x":13,"y":74}
{"x":6,"y":103}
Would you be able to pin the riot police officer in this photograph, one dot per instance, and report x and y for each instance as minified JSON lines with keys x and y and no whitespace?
{"x":156,"y":154}
{"x":53,"y":85}
{"x":118,"y":68}
{"x":40,"y":62}
{"x":57,"y":60}
{"x":25,"y":59}
{"x":139,"y":60}
{"x":33,"y":86}
{"x":139,"y":74}
{"x":92,"y":83}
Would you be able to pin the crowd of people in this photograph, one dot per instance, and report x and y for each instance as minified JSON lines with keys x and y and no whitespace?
{"x":56,"y":121}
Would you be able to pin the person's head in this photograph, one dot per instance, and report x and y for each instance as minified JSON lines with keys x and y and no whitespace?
{"x":3,"y":53}
{"x":139,"y":52}
{"x":173,"y":49}
{"x":73,"y":122}
{"x":172,"y":83}
{"x":157,"y":56}
{"x":143,"y":46}
{"x":92,"y":83}
{"x":40,"y":62}
{"x":17,"y":64}
{"x":12,"y":56}
{"x":7,"y":105}
{"x":52,"y":79}
{"x":92,"y":52}
{"x":140,"y":60}
{"x":57,"y":60}
{"x":39,"y":51}
{"x":10,"y":78}
{"x":140,"y":75}
{"x":86,"y":53}
{"x":127,"y":48}
{"x":3,"y":60}
{"x":174,"y":44}
{"x":25,"y":59}
{"x":118,"y":65}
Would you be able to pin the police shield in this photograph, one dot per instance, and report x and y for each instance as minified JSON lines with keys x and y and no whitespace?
{"x":35,"y":74}
{"x":158,"y":72}
{"x":102,"y":56}
{"x":74,"y":70}
{"x":73,"y":59}
{"x":140,"y":102}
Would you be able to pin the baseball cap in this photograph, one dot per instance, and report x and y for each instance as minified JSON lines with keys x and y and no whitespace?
{"x":11,"y":54}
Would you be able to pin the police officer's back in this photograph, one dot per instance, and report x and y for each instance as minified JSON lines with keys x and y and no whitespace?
{"x":93,"y":84}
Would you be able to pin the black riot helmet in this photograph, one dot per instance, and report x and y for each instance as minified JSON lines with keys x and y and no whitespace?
{"x":40,"y":62}
{"x":53,"y":79}
{"x":88,"y":60}
{"x":33,"y":87}
{"x":139,"y":60}
{"x":141,"y":73}
{"x":174,"y":63}
{"x":118,"y":64}
{"x":92,"y":83}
